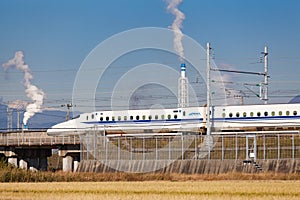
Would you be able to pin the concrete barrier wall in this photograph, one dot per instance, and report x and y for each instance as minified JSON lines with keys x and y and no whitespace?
{"x":189,"y":166}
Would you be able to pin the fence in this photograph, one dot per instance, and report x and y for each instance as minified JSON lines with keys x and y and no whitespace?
{"x":95,"y":146}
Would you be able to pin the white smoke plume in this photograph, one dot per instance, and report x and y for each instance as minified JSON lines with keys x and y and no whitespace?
{"x":176,"y":26}
{"x":34,"y":93}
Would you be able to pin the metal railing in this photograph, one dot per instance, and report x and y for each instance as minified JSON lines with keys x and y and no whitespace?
{"x":36,"y":139}
{"x":239,"y":147}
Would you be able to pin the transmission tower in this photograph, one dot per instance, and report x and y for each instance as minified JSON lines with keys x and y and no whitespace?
{"x":9,"y":119}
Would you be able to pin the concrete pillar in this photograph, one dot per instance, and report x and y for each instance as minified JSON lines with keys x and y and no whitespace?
{"x":13,"y":161}
{"x":23,"y":164}
{"x":67,"y":163}
{"x":76,"y":163}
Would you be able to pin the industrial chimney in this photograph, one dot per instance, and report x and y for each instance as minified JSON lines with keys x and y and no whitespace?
{"x":183,"y":100}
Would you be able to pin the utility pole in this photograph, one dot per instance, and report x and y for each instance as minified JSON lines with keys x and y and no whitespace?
{"x":208,"y":132}
{"x":68,"y":105}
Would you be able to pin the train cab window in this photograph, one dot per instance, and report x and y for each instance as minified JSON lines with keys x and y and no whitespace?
{"x":183,"y":113}
{"x":175,"y":116}
{"x":230,"y":115}
{"x":156,"y":116}
{"x":251,"y":114}
{"x":273,"y":113}
{"x":144,"y":117}
{"x":119,"y":118}
{"x":266,"y":114}
{"x":87,"y":118}
{"x":125,"y":118}
{"x":137,"y":117}
{"x":101,"y":118}
{"x":223,"y":115}
{"x":287,"y":113}
{"x":150,"y":117}
{"x":169,"y":116}
{"x":280,"y":113}
{"x":92,"y":116}
{"x":295,"y":112}
{"x":258,"y":114}
{"x":113,"y":118}
{"x":131,"y":117}
{"x":162,"y":116}
{"x":244,"y":114}
{"x":237,"y":114}
{"x":107,"y":118}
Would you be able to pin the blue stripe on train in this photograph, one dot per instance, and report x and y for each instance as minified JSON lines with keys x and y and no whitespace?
{"x":245,"y":119}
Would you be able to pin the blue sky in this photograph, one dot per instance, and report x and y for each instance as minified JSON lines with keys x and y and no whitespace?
{"x":57,"y":35}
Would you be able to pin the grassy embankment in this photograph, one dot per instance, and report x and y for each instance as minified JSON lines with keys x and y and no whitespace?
{"x":9,"y":173}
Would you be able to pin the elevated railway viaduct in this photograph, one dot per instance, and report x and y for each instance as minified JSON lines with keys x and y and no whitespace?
{"x":30,"y":149}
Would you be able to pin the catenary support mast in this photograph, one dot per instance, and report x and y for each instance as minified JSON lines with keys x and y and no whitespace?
{"x":208,"y":90}
{"x":266,"y":75}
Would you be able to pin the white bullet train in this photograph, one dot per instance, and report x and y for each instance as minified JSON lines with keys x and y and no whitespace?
{"x":190,"y":119}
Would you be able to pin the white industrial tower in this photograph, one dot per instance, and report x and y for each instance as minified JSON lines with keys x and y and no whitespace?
{"x":183,"y":95}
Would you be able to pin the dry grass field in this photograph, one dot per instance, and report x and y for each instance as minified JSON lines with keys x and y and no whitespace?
{"x":222,"y":189}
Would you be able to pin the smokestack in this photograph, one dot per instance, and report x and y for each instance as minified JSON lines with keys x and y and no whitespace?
{"x":182,"y":70}
{"x":183,"y":95}
{"x":25,"y":127}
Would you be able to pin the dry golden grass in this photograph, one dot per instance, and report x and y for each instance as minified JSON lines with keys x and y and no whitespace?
{"x":274,"y":189}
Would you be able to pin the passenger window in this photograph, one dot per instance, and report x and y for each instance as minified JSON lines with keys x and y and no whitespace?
{"x":258,"y":114}
{"x":162,"y":116}
{"x":87,"y":117}
{"x":244,"y":114}
{"x":251,"y":114}
{"x":183,"y":113}
{"x":266,"y":114}
{"x":287,"y":113}
{"x":113,"y":118}
{"x":280,"y":113}
{"x":101,"y":118}
{"x":156,"y":116}
{"x":125,"y":118}
{"x":92,"y":116}
{"x":175,"y":116}
{"x":230,"y":115}
{"x":107,"y":118}
{"x":223,"y":115}
{"x":144,"y":117}
{"x":150,"y":117}
{"x":273,"y":113}
{"x":295,"y":112}
{"x":119,"y":118}
{"x":237,"y":114}
{"x":169,"y":116}
{"x":131,"y":117}
{"x":137,"y":117}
